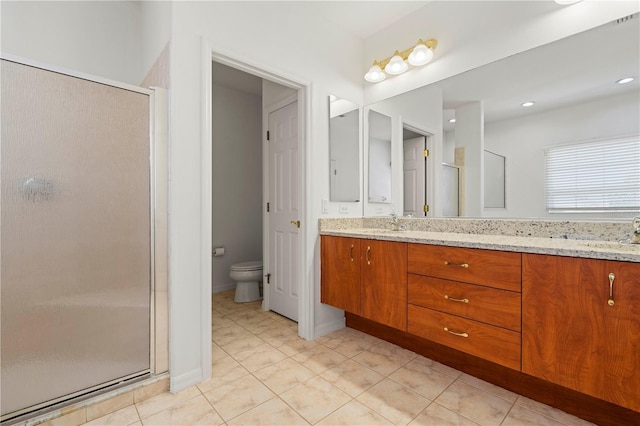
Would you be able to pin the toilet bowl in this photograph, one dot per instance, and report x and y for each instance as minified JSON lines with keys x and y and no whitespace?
{"x":248,"y":276}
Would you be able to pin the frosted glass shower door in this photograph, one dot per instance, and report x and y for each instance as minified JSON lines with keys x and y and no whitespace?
{"x":75,"y":236}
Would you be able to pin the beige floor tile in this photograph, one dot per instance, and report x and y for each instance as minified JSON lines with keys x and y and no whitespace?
{"x":319,"y":359}
{"x":243,"y":343}
{"x":278,"y":336}
{"x":475,"y":404}
{"x":223,"y":371}
{"x":195,"y":411}
{"x":262,"y":325}
{"x":315,"y":399}
{"x":422,"y":379}
{"x":520,"y":416}
{"x":283,"y":375}
{"x":354,"y":413}
{"x":273,"y":412}
{"x":221,"y":321}
{"x":553,"y":413}
{"x":239,"y":396}
{"x":163,"y":401}
{"x":259,"y":357}
{"x":227,"y":334}
{"x":124,"y":416}
{"x":110,"y":405}
{"x":352,"y":377}
{"x":217,"y":353}
{"x":489,"y":387}
{"x":296,"y":345}
{"x":449,"y":371}
{"x":350,"y":342}
{"x":385,"y":358}
{"x":394,"y":401}
{"x":151,"y":390}
{"x":74,"y":418}
{"x":437,"y":415}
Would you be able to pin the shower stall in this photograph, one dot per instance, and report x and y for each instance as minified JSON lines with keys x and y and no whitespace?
{"x":76,"y":237}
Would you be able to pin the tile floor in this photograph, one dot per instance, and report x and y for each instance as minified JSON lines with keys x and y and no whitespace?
{"x":263,"y":374}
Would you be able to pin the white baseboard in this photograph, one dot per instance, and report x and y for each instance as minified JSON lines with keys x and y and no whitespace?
{"x":326,"y":328}
{"x":222,"y":287}
{"x":185,"y":381}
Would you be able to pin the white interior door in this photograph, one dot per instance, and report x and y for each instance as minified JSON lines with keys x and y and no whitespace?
{"x":284,"y":212}
{"x":414,"y":176}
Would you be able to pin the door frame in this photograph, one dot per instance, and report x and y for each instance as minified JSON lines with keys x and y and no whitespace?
{"x":305,"y":268}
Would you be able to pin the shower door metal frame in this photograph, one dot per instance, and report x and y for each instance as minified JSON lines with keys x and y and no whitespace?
{"x":158,"y":207}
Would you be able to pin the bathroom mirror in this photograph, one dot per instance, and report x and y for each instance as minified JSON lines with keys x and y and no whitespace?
{"x":344,"y":150}
{"x":494,"y":189}
{"x":379,"y":126}
{"x":576,"y":98}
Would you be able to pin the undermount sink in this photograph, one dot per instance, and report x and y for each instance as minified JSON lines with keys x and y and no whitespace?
{"x":611,"y":245}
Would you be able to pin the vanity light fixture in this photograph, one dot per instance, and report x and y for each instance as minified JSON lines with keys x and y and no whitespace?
{"x":625,"y":80}
{"x":528,"y":104}
{"x":418,"y":55}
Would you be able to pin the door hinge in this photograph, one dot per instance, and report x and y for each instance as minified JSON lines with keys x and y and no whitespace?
{"x":425,"y":208}
{"x":426,"y":153}
{"x":268,"y":136}
{"x":268,"y":207}
{"x":268,"y":278}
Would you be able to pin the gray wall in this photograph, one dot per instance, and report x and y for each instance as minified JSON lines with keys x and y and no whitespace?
{"x":237,"y":181}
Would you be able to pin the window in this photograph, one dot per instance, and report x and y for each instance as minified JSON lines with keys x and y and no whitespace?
{"x":598,"y":176}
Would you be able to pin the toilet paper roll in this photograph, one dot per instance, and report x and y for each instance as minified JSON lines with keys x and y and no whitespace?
{"x":218,"y":251}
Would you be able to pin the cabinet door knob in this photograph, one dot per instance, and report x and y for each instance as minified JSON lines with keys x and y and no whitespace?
{"x":612,"y":277}
{"x":367,"y":255}
{"x":456,"y":333}
{"x":462,"y":265}
{"x":351,"y":252}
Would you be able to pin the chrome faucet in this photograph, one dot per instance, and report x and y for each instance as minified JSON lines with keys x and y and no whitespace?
{"x":635,"y":237}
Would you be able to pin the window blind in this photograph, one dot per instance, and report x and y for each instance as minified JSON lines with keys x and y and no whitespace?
{"x":599,"y":176}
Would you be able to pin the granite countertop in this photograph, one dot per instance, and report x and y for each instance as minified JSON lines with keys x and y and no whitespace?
{"x":594,"y":249}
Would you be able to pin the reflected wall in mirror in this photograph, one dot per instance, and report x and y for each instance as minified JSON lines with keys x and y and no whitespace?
{"x":494,"y":188}
{"x":576,"y":98}
{"x":379,"y":157}
{"x":344,"y":150}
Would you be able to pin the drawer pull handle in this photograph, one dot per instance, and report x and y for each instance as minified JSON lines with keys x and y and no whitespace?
{"x":453,"y":299}
{"x":462,"y":265}
{"x":351,"y":252}
{"x":455,"y":333}
{"x":367,"y":255}
{"x":612,"y":277}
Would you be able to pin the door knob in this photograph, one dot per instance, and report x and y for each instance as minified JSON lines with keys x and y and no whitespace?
{"x":296,"y":223}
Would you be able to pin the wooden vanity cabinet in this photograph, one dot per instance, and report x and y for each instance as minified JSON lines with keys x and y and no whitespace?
{"x":466,"y":299}
{"x":572,"y":335}
{"x":366,"y":277}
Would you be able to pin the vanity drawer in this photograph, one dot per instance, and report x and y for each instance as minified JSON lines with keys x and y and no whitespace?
{"x":499,"y":269}
{"x":485,"y":304}
{"x":482,"y":340}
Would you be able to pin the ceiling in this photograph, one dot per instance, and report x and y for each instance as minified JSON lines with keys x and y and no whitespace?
{"x":573,"y":70}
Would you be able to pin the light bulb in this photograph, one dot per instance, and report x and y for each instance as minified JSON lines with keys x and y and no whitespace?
{"x":625,"y":80}
{"x":375,"y":74}
{"x":396,"y":65}
{"x":420,"y":55}
{"x":528,"y":104}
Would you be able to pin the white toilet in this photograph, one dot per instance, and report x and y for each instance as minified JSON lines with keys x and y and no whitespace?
{"x":248,"y":276}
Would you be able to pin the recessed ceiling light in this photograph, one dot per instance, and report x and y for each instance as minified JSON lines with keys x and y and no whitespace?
{"x":528,"y":104}
{"x":625,"y":80}
{"x":453,"y":120}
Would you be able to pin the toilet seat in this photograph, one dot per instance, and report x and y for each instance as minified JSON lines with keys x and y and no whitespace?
{"x":254,"y":265}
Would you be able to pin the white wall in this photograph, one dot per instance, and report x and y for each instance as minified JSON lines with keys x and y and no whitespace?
{"x":237,"y":181}
{"x":523,"y":140}
{"x":101,"y":38}
{"x":280,"y":37}
{"x":469,"y":134}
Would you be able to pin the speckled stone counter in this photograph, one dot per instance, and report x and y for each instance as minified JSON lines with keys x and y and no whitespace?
{"x":597,"y":240}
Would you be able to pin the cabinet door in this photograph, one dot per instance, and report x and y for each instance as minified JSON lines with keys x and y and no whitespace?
{"x":340,"y":281}
{"x":572,"y":336}
{"x":384,"y":282}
